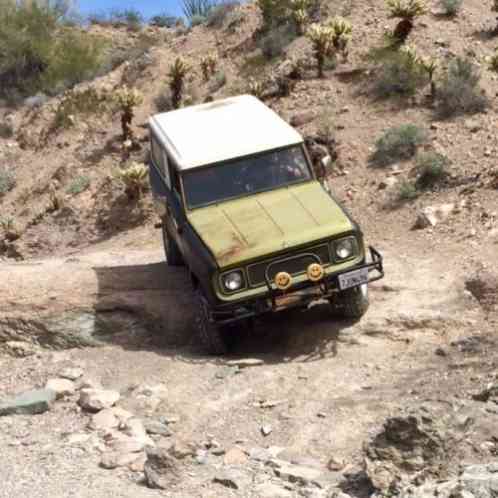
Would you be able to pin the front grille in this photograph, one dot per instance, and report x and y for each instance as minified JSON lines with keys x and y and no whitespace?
{"x":256,"y":272}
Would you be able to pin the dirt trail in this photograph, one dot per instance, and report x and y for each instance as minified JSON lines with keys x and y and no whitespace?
{"x":330,"y":382}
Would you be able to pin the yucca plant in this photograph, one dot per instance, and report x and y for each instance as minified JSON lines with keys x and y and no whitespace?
{"x":134,"y":179}
{"x":208,"y":66}
{"x":430,"y":65}
{"x":322,"y":39}
{"x":127,"y":99}
{"x":342,"y":30}
{"x":177,"y":74}
{"x":256,"y":88}
{"x":407,"y":11}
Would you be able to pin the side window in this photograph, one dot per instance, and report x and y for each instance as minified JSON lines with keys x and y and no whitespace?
{"x":160,"y":159}
{"x":175,"y":180}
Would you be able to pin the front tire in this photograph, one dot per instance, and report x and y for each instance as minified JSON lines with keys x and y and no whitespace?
{"x":213,"y":337}
{"x":352,"y":303}
{"x":173,"y":255}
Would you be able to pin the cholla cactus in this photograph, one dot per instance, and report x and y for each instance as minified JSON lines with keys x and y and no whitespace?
{"x":430,"y":65}
{"x":342,"y":30}
{"x":127,"y":100}
{"x":177,"y":74}
{"x":299,"y":12}
{"x":208,"y":66}
{"x":322,"y":39}
{"x":256,"y":88}
{"x":492,"y":61}
{"x":134,"y":179}
{"x":407,"y":11}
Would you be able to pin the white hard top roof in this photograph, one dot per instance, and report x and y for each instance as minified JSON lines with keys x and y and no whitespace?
{"x":221,"y":130}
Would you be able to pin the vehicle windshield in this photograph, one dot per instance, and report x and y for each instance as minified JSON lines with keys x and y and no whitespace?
{"x":246,"y":176}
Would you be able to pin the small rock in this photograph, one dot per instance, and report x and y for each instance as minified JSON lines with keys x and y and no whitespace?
{"x":126,"y":444}
{"x":297,"y":473}
{"x":181,"y":450}
{"x":71,"y":373}
{"x":302,"y":118}
{"x":388,"y":183}
{"x":138,"y":465}
{"x":160,"y":468}
{"x":115,"y":459}
{"x":245,"y":363}
{"x":157,"y":428}
{"x":269,"y":490}
{"x":266,"y":430}
{"x":61,"y":387}
{"x":440,"y":352}
{"x":335,"y":465}
{"x":109,"y":418}
{"x":235,"y":456}
{"x":94,"y":400}
{"x":36,"y":101}
{"x":472,"y":125}
{"x":28,"y":403}
{"x":433,"y":215}
{"x":233,"y":479}
{"x":20,"y":349}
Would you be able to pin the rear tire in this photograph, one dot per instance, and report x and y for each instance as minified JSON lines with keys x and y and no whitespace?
{"x":173,"y":255}
{"x":352,"y":303}
{"x":213,"y":337}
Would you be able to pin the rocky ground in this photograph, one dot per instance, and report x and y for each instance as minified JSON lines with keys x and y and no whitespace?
{"x":104,"y":390}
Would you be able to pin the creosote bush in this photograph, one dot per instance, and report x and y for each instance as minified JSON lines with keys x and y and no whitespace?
{"x":450,"y":8}
{"x":134,"y":179}
{"x":164,"y":21}
{"x":7,"y":181}
{"x":431,"y":169}
{"x":78,"y":102}
{"x":459,"y":91}
{"x":38,"y":52}
{"x":273,"y":43}
{"x":217,"y":14}
{"x":177,"y":74}
{"x":127,"y":99}
{"x":398,"y":143}
{"x":407,"y":11}
{"x":273,"y":12}
{"x":493,"y":61}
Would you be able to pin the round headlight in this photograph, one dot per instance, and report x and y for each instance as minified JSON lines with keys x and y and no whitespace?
{"x":344,"y":249}
{"x":233,"y":281}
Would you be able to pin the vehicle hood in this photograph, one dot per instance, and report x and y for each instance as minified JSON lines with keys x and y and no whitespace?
{"x":255,"y":226}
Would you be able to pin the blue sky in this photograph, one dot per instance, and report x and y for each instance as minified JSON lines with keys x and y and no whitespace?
{"x":147,"y":7}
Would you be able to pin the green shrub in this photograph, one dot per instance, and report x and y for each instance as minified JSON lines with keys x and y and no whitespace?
{"x":78,"y":185}
{"x":6,"y":130}
{"x":399,"y":142}
{"x":400,"y":73}
{"x":407,"y":191}
{"x":273,"y":44}
{"x":217,"y":81}
{"x":431,"y":169}
{"x":7,"y":181}
{"x":217,"y":15}
{"x":459,"y":91}
{"x":39,"y":53}
{"x":164,"y":21}
{"x":450,"y":7}
{"x":197,"y":20}
{"x":195,"y":8}
{"x":81,"y":102}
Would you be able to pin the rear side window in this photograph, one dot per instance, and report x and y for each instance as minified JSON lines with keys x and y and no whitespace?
{"x":160,"y":159}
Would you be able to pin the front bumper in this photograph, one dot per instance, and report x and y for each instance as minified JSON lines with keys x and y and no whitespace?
{"x":300,"y":295}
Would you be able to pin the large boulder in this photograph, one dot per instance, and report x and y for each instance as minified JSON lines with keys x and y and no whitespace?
{"x":28,"y":403}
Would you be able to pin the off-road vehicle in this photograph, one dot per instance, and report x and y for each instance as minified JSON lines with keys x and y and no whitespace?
{"x":242,"y":209}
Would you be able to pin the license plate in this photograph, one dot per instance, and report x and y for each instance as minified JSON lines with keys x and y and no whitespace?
{"x":353,"y":278}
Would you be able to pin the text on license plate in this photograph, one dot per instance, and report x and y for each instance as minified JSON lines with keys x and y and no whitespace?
{"x":353,"y":278}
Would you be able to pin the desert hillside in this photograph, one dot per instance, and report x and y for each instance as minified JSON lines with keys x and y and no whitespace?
{"x":104,"y":389}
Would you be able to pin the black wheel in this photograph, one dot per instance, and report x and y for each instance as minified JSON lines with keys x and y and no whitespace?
{"x":352,"y":303}
{"x":212,"y":336}
{"x":173,"y":255}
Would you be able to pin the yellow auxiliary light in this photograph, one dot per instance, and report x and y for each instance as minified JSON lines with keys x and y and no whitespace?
{"x":315,"y":272}
{"x":283,"y":280}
